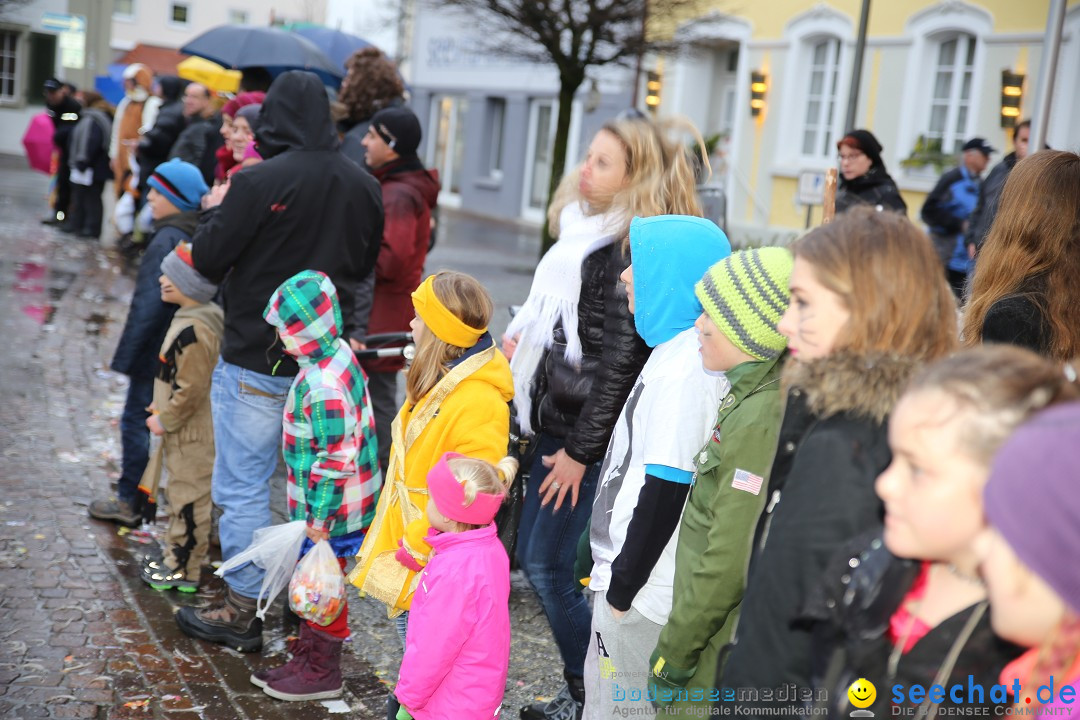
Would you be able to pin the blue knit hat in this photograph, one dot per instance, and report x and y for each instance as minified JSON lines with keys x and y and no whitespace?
{"x":180,"y":182}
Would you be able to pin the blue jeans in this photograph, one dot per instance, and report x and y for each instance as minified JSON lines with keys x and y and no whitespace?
{"x":247,"y":408}
{"x":134,"y":438}
{"x":546,"y":550}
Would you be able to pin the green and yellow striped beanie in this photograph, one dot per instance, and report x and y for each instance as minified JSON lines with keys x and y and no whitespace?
{"x":746,"y":294}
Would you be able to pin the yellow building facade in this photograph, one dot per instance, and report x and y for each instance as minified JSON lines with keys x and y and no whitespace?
{"x":932,"y":77}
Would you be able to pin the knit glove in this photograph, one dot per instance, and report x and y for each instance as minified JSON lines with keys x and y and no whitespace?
{"x":403,"y":714}
{"x":402,"y":556}
{"x":665,"y":680}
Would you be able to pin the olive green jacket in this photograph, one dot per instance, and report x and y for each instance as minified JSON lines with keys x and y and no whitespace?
{"x":716,"y":534}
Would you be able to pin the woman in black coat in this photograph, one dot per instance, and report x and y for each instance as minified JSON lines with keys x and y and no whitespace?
{"x":863,"y":178}
{"x":868,"y":305}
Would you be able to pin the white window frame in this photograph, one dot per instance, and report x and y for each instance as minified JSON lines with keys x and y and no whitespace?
{"x":173,"y":4}
{"x":447,"y":171}
{"x":496,"y":130}
{"x":237,"y":11}
{"x":826,"y":124}
{"x":529,"y":212}
{"x":123,"y":16}
{"x":15,"y":98}
{"x":791,"y":92}
{"x":927,"y":29}
{"x":953,"y":134}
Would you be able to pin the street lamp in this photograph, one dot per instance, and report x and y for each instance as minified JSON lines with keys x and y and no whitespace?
{"x":758,"y":87}
{"x":1012,"y":91}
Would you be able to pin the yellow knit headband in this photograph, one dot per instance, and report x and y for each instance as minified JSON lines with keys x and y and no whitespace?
{"x":443,"y":324}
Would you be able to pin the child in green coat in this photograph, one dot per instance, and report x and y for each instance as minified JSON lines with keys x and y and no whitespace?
{"x":744,"y":297}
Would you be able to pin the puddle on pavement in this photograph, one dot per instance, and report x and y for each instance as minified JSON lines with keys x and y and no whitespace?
{"x":39,"y":286}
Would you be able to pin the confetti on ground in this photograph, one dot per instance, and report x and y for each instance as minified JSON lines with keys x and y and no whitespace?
{"x":336,"y":706}
{"x":122,"y":531}
{"x":39,"y":536}
{"x":136,"y":704}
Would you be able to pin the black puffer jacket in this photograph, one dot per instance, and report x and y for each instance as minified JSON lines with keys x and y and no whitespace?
{"x":582,"y":404}
{"x":875,"y":188}
{"x":861,"y":590}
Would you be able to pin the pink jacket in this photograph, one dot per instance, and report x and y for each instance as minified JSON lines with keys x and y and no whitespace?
{"x":457,"y":649}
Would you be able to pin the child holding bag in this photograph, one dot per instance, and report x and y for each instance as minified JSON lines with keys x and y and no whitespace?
{"x":457,"y":650}
{"x":457,"y":394}
{"x":333,"y":468}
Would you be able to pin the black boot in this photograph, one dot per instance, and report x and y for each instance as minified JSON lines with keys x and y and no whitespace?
{"x":232,"y":623}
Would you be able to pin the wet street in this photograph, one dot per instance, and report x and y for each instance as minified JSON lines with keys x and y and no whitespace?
{"x":81,"y":636}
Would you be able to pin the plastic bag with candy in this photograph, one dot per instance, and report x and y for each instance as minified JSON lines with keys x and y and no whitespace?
{"x":317,"y":588}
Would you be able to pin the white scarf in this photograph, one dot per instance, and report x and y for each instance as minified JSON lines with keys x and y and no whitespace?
{"x":553,"y":297}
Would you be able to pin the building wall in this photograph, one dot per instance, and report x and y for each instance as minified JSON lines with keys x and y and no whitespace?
{"x":450,"y":58}
{"x":151,"y":21}
{"x":895,"y":88}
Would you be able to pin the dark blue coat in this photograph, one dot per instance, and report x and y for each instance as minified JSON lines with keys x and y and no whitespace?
{"x":149,"y":317}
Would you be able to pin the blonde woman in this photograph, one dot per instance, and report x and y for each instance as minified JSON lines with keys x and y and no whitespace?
{"x":575,"y":355}
{"x":457,"y":395}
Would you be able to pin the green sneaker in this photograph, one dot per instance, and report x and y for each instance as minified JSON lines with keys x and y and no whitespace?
{"x":160,"y":576}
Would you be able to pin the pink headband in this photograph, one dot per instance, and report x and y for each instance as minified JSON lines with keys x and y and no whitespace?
{"x":449,"y":496}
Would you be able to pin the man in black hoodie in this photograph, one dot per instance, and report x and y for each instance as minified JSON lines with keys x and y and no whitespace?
{"x":986,"y":207}
{"x":64,"y":111}
{"x":306,"y":206}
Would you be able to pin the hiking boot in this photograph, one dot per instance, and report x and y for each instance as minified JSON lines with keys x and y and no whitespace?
{"x":566,"y":705}
{"x":160,"y":576}
{"x":318,"y":675}
{"x":232,"y":622}
{"x":298,"y":648}
{"x":115,"y":510}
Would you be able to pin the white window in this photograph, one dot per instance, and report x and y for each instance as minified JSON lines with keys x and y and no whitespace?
{"x":238,"y":17}
{"x":542,"y":117}
{"x":496,"y":116}
{"x":950,"y":104}
{"x":179,"y":13}
{"x":9,"y":46}
{"x":124,"y":9}
{"x":820,"y":116}
{"x":447,"y":151}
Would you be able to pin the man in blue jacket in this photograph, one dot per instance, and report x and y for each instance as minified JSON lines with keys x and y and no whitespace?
{"x":948,"y":207}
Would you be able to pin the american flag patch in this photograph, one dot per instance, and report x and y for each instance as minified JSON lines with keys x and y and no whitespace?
{"x":747,"y":482}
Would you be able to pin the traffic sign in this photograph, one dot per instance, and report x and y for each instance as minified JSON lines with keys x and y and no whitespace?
{"x":811,"y":187}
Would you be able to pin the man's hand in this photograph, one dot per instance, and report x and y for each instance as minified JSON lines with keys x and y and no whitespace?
{"x":215,"y":196}
{"x":356,"y":345}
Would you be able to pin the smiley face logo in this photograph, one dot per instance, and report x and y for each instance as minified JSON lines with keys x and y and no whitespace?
{"x":862,"y":693}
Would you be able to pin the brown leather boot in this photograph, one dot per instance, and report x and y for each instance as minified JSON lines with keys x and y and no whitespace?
{"x":232,"y":623}
{"x":317,"y":678}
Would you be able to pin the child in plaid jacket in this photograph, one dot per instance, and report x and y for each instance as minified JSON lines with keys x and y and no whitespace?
{"x":332,"y":459}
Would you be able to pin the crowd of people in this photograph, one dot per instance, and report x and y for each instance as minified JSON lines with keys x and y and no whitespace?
{"x":777,"y":468}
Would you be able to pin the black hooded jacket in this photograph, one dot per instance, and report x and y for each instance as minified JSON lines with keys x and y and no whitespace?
{"x":155,"y":145}
{"x":305,"y":207}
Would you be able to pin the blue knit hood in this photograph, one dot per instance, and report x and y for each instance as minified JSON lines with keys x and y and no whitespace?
{"x":670,"y":253}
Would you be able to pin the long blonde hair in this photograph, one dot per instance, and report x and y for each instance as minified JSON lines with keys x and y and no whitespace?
{"x":889,"y":278}
{"x":660,"y":175}
{"x":466,"y":298}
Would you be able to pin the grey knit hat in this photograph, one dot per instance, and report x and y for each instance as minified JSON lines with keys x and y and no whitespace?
{"x":1032,"y":499}
{"x":178,"y":267}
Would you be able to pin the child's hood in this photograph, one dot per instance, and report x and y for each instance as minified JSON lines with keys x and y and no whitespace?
{"x":306,"y":312}
{"x":669,"y":254}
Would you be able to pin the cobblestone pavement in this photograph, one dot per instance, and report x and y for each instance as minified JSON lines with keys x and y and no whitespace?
{"x":80,"y":635}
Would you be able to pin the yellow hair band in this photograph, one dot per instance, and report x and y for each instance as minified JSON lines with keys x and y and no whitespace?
{"x":443,"y":324}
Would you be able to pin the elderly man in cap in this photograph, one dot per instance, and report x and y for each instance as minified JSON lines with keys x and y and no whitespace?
{"x":949,"y":206}
{"x":409,"y":192}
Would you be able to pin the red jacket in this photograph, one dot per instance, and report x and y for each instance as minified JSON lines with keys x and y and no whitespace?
{"x":409,"y":193}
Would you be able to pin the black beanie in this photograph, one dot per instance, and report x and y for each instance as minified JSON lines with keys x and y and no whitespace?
{"x":399,"y":128}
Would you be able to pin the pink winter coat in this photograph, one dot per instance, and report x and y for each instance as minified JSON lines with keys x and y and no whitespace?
{"x":457,"y":649}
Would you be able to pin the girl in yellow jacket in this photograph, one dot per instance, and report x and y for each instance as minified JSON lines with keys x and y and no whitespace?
{"x":457,"y":395}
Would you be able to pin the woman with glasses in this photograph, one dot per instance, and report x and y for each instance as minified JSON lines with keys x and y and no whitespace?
{"x":863,"y":178}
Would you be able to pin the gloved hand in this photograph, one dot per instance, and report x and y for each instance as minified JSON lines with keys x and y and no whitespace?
{"x":402,"y":556}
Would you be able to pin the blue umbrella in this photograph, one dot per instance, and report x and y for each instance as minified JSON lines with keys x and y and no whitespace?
{"x":337,"y":45}
{"x":241,"y":46}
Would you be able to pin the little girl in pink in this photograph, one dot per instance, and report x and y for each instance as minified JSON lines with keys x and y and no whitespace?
{"x":457,"y":649}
